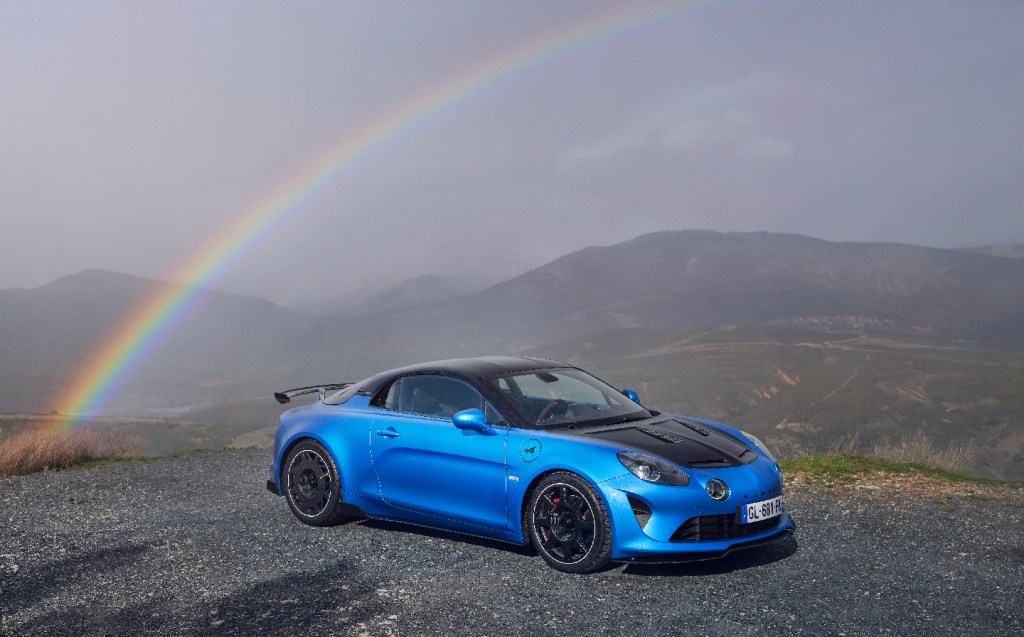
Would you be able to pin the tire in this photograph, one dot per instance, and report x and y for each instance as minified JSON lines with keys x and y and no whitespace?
{"x":568,"y":524}
{"x":312,"y":484}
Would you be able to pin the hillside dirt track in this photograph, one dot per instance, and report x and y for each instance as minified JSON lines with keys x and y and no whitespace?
{"x":195,"y":545}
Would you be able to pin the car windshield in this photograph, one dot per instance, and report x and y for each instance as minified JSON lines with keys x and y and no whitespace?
{"x":564,"y":397}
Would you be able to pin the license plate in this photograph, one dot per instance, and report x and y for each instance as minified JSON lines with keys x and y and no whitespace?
{"x":763,"y":510}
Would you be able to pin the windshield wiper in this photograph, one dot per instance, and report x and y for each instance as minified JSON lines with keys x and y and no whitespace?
{"x":629,"y":418}
{"x":598,"y":422}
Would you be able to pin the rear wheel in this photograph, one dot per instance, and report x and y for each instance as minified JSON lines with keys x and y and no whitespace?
{"x":568,"y":524}
{"x":312,"y":485}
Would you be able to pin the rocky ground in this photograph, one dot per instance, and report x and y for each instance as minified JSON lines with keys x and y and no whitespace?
{"x":195,"y":545}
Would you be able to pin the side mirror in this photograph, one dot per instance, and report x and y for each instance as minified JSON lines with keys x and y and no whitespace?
{"x":632,"y":395}
{"x":472,"y":420}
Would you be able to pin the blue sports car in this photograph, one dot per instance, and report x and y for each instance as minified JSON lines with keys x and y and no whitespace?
{"x":527,"y":450}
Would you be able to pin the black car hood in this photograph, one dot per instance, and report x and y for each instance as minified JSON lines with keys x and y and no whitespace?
{"x":686,"y":443}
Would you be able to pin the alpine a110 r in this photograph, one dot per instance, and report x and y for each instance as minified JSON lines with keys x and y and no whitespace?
{"x":530,"y":451}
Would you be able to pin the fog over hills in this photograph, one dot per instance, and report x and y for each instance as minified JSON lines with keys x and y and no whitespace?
{"x":694,"y":278}
{"x":807,"y":390}
{"x":223,"y":345}
{"x":414,"y":292}
{"x":1011,"y":250}
{"x":937,"y":334}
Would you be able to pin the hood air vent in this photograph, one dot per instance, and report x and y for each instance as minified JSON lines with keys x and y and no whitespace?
{"x":694,"y":427}
{"x":662,"y":435}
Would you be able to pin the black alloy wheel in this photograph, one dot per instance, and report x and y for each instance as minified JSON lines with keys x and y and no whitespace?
{"x":568,"y":524}
{"x":311,"y":484}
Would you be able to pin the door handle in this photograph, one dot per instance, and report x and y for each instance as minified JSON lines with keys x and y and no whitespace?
{"x":388,"y":433}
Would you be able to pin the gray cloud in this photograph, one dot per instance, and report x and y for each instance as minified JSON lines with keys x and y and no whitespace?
{"x":131,"y":132}
{"x":720,"y":118}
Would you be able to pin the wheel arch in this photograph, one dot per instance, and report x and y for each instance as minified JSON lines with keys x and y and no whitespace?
{"x":299,"y":439}
{"x":528,"y":493}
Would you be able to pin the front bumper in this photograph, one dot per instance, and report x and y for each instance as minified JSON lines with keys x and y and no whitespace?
{"x":697,"y":556}
{"x":656,"y":536}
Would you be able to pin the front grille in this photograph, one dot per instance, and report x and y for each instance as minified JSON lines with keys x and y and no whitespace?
{"x":720,"y":527}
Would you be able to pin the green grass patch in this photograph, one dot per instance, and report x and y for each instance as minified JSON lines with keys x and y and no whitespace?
{"x":849,"y":469}
{"x":92,"y":463}
{"x":103,"y":462}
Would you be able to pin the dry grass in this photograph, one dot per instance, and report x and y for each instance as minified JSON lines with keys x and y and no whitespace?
{"x":848,"y":445}
{"x":890,"y":479}
{"x":40,"y":448}
{"x":917,"y":448}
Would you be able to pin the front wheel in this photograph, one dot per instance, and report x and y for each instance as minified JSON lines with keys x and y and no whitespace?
{"x":312,"y":485}
{"x":568,"y":524}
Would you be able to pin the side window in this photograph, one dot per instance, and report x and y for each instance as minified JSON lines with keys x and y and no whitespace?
{"x":391,"y":402}
{"x":494,"y":417}
{"x":436,"y":396}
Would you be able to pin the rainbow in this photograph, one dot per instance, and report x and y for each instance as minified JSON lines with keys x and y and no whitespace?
{"x":141,"y":330}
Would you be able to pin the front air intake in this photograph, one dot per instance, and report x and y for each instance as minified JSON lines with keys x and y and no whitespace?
{"x":720,"y":527}
{"x":640,"y":510}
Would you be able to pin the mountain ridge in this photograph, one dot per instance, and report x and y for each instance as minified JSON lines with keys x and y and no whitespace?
{"x":1009,"y":250}
{"x":700,"y":322}
{"x":47,"y":334}
{"x":687,"y":279}
{"x":664,"y":280}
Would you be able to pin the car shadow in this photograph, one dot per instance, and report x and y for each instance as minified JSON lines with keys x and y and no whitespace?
{"x":26,"y":588}
{"x":755,"y":556}
{"x":333,"y":599}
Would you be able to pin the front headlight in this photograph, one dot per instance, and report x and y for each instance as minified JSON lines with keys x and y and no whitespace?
{"x":760,"y":445}
{"x":768,"y":454}
{"x":651,"y":469}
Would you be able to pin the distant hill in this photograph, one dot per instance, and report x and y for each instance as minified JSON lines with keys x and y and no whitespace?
{"x":678,"y":279}
{"x":804,"y":391}
{"x":877,"y":338}
{"x":694,"y":278}
{"x":1011,"y":250}
{"x":231,"y":348}
{"x":225,"y":348}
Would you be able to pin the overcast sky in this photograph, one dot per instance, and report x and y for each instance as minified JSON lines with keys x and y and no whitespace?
{"x":129,"y":131}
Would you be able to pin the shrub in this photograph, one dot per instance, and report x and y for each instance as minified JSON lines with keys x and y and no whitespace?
{"x":41,"y":448}
{"x":918,"y":448}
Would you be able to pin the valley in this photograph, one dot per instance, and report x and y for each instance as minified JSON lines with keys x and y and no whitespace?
{"x":813,"y":345}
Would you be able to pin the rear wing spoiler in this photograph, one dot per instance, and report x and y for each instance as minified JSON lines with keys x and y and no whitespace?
{"x":287,"y":395}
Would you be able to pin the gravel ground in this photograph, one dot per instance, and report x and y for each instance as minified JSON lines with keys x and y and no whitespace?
{"x":196,"y":545}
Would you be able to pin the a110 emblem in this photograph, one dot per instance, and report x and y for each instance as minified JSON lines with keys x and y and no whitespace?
{"x":529,"y":450}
